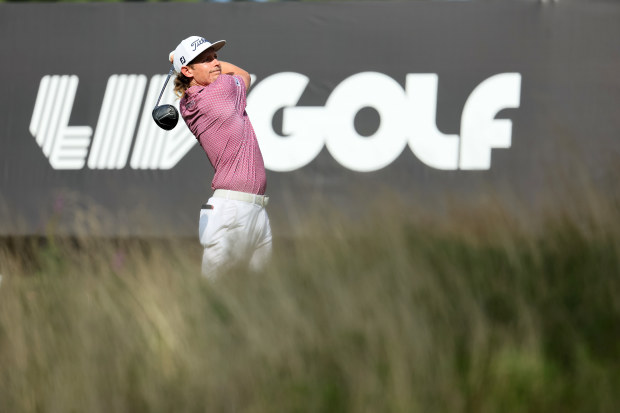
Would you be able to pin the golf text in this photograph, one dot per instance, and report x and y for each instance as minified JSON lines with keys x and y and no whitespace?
{"x":126,"y":134}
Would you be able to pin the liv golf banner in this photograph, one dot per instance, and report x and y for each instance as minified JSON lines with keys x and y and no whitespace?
{"x":429,"y":100}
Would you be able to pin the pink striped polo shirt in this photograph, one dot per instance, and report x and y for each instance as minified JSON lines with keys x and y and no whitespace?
{"x":216,"y":116}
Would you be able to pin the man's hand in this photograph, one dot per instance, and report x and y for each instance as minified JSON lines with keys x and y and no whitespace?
{"x":171,"y":57}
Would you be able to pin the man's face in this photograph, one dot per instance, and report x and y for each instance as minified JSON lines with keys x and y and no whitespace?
{"x":204,"y":69}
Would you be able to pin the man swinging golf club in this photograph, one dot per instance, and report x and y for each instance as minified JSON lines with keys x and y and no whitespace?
{"x":233,"y":226}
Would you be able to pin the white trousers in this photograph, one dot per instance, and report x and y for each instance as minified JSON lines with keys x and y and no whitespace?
{"x":233,"y":232}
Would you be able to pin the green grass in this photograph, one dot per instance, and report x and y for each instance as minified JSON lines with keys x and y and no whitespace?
{"x":476,"y":311}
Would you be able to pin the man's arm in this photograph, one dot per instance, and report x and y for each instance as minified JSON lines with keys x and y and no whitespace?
{"x":230,"y":69}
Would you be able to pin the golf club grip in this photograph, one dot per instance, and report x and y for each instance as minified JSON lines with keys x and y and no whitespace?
{"x":165,"y":83}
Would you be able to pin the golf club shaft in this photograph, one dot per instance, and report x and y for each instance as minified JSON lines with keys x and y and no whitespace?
{"x":165,"y":83}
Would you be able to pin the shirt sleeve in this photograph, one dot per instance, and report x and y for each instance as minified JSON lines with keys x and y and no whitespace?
{"x":241,"y":82}
{"x":241,"y":87}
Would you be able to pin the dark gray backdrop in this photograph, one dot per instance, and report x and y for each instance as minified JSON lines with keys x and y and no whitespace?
{"x":566,"y":127}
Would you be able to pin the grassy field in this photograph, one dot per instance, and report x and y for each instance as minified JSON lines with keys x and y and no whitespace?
{"x":478,"y":311}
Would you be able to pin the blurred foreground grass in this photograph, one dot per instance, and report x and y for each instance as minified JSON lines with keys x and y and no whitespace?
{"x":475,"y":312}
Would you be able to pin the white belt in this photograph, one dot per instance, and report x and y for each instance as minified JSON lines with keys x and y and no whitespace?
{"x":261,"y":200}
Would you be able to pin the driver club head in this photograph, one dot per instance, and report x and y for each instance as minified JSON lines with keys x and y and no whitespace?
{"x":166,"y":116}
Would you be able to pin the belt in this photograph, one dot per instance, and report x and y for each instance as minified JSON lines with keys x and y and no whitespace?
{"x":261,"y":200}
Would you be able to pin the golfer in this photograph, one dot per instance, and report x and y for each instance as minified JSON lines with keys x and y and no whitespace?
{"x":234,"y":226}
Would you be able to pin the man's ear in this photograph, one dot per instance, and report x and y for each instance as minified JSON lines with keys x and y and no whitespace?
{"x":187,"y":71}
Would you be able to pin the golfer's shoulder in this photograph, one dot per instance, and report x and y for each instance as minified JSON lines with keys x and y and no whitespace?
{"x":227,"y":85}
{"x":226,"y":81}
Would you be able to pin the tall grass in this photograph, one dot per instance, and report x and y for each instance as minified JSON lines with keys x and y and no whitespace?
{"x":396,"y":311}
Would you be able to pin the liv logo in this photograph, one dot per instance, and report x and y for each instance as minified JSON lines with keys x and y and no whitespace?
{"x":73,"y":147}
{"x":407,"y":118}
{"x":65,"y":146}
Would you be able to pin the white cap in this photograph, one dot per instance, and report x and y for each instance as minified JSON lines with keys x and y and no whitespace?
{"x":191,"y":47}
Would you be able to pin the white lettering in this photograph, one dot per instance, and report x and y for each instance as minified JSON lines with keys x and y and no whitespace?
{"x":426,"y":141}
{"x":65,"y":146}
{"x":117,"y":122}
{"x":301,"y":125}
{"x":480,"y":131}
{"x":407,"y":116}
{"x":358,"y":153}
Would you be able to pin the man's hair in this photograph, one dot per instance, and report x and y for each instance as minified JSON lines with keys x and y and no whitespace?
{"x":181,"y":84}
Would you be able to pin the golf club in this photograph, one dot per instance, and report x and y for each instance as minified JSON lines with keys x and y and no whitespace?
{"x":165,"y":116}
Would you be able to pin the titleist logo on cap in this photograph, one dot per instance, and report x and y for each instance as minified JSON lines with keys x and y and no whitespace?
{"x":198,"y":42}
